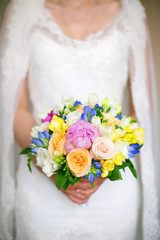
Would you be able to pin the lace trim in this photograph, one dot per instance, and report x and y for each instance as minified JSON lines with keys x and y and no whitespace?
{"x":47,"y":21}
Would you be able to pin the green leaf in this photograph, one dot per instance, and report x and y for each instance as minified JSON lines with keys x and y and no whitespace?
{"x":75,"y":180}
{"x":108,"y":110}
{"x":29,"y":160}
{"x":50,"y":132}
{"x":116,"y":175}
{"x":25,"y":150}
{"x":132,"y":168}
{"x":140,"y":147}
{"x":133,"y":121}
{"x":89,"y":116}
{"x":92,"y":185}
{"x":66,"y":185}
{"x":60,"y":179}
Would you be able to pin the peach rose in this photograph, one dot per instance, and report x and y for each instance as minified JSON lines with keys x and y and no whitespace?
{"x":112,"y":120}
{"x":80,"y":109}
{"x":79,"y":161}
{"x":103,"y":148}
{"x":57,"y":143}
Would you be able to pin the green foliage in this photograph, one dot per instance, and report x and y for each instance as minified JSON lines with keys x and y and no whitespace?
{"x":92,"y":185}
{"x":64,"y":178}
{"x":133,"y":121}
{"x":60,"y":179}
{"x":140,"y":147}
{"x":131,"y":167}
{"x":99,"y":113}
{"x":73,"y":108}
{"x":29,"y":160}
{"x":89,"y":116}
{"x":108,"y":110}
{"x":26,"y":150}
{"x":62,"y":112}
{"x":50,"y":132}
{"x":116,"y":175}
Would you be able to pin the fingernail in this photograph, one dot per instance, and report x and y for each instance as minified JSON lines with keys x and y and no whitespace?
{"x":78,"y":190}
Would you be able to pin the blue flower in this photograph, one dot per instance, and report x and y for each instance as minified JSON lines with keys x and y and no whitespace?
{"x":91,"y":177}
{"x":88,"y":114}
{"x":34,"y":150}
{"x":116,"y":126}
{"x":37,"y":142}
{"x":133,"y":149}
{"x":65,"y":117}
{"x":98,"y":172}
{"x":119,"y":117}
{"x":77,"y":103}
{"x":41,"y":135}
{"x":98,"y":164}
{"x":46,"y":135}
{"x":97,"y":106}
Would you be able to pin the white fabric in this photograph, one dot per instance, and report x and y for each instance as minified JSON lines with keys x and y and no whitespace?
{"x":58,"y":65}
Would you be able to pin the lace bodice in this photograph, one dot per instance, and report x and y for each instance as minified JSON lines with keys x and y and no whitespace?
{"x":77,"y":67}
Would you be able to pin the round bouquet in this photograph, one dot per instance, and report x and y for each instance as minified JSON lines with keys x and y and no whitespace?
{"x":90,"y":140}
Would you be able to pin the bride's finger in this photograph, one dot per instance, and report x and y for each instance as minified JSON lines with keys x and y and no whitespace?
{"x":75,"y":200}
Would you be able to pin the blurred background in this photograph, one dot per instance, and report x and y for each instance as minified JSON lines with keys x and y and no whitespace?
{"x":153,"y":12}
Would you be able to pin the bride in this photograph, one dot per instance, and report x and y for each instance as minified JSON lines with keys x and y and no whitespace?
{"x":55,"y":48}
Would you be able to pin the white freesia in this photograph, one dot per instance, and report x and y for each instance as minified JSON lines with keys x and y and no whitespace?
{"x":122,"y":147}
{"x":113,"y":112}
{"x":34,"y":132}
{"x":47,"y":169}
{"x":113,"y":103}
{"x":44,"y":114}
{"x":96,"y":121}
{"x":105,"y":131}
{"x":93,"y":99}
{"x":124,"y":122}
{"x":43,"y":127}
{"x":48,"y":165}
{"x":73,"y":117}
{"x":67,"y":100}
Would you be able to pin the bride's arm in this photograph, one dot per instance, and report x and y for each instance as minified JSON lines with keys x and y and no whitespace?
{"x":23,"y":123}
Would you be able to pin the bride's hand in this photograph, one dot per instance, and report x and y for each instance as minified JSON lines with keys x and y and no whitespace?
{"x":81,"y":191}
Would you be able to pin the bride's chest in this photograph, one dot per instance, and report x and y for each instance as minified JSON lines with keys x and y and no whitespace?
{"x":109,"y":53}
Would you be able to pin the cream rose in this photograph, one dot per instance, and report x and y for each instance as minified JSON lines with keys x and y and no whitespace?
{"x":103,"y":148}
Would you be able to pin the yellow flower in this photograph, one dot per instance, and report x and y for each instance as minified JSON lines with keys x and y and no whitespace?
{"x":118,"y":159}
{"x":107,"y":165}
{"x":133,"y":135}
{"x":105,"y":103}
{"x":104,"y":174}
{"x":130,"y":128}
{"x":118,"y":109}
{"x":138,"y":133}
{"x":58,"y":125}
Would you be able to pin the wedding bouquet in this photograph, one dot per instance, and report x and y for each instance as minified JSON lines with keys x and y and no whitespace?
{"x":91,"y":140}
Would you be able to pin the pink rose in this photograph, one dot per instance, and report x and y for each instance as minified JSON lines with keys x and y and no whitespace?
{"x":81,"y":135}
{"x":103,"y":148}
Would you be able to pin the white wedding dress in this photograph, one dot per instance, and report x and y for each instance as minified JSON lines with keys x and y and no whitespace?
{"x":59,"y":65}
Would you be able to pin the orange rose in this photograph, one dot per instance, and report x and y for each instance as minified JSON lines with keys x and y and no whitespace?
{"x":112,"y":120}
{"x":79,"y":161}
{"x":57,"y":143}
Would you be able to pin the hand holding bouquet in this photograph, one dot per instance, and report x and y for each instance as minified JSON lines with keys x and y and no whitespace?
{"x":90,"y":140}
